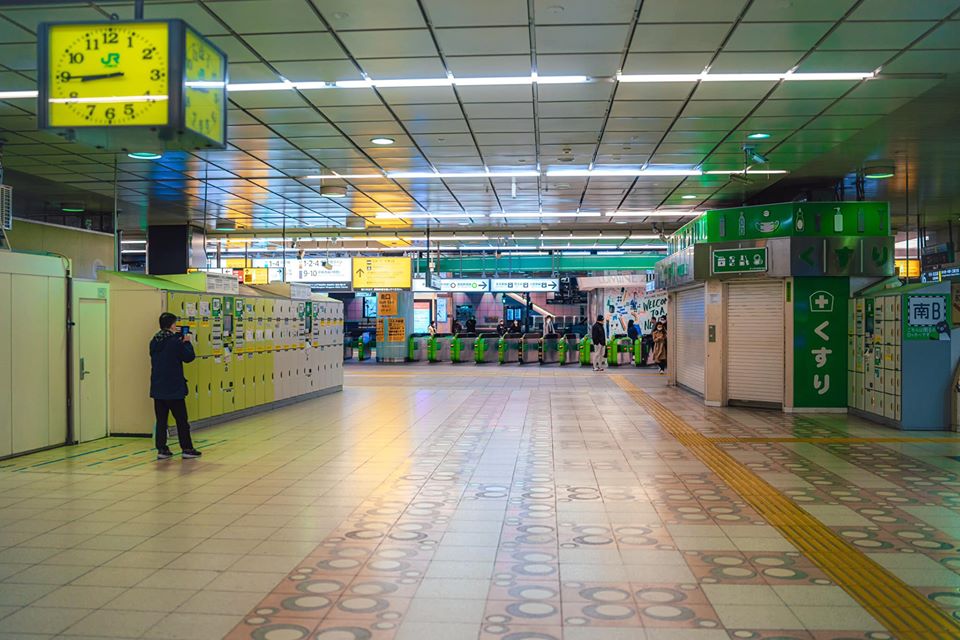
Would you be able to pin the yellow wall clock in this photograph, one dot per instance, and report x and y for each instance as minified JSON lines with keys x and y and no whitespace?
{"x":137,"y":82}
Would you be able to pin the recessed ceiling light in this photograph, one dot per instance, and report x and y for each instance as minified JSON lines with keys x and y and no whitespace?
{"x":72,"y":209}
{"x":758,"y":136}
{"x":689,"y":196}
{"x":383,"y":141}
{"x":144,"y":155}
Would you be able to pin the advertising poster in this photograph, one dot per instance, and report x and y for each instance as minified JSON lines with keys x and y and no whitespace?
{"x":620,"y":305}
{"x":820,"y":342}
{"x":926,"y":317}
{"x":387,"y":304}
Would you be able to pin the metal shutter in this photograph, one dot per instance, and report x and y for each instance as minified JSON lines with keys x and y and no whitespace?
{"x":755,"y":361}
{"x":691,"y":347}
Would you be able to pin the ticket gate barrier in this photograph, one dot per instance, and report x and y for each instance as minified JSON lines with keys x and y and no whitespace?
{"x":486,"y":348}
{"x":640,"y":352}
{"x":619,"y":351}
{"x":508,"y":349}
{"x":585,"y":353}
{"x":417,"y":347}
{"x":348,"y":349}
{"x":363,"y":349}
{"x":549,"y":349}
{"x":567,"y":349}
{"x":529,"y":348}
{"x":438,"y":347}
{"x":462,"y":347}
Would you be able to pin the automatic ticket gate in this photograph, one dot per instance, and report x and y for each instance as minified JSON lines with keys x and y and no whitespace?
{"x":417,"y":347}
{"x":438,"y":347}
{"x":462,"y":347}
{"x":529,"y":348}
{"x":549,"y":345}
{"x":348,"y":349}
{"x":486,"y":348}
{"x":619,"y":351}
{"x":508,"y":349}
{"x":583,"y":349}
{"x":568,"y":349}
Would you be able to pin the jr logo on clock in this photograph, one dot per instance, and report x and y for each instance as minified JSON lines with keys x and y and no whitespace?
{"x":112,"y":60}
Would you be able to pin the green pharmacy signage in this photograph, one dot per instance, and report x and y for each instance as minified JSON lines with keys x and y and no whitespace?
{"x":820,"y":342}
{"x":753,"y":259}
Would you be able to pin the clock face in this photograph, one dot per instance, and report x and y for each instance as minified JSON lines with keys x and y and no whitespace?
{"x":204,"y":94}
{"x":108,"y":74}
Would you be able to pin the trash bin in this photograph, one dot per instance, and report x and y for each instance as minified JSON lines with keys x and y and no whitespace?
{"x":508,"y":349}
{"x":529,"y":348}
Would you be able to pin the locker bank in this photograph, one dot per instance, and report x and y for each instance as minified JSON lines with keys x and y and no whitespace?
{"x":479,"y":320}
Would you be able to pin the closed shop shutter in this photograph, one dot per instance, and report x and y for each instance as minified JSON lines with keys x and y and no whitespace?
{"x":755,"y":360}
{"x":691,"y":347}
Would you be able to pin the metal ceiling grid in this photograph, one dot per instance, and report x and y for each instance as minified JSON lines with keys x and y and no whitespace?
{"x":279,"y":138}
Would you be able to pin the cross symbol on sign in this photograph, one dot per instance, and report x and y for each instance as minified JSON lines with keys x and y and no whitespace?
{"x":821,"y":302}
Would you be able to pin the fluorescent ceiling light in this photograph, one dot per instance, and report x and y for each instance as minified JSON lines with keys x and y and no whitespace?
{"x":133,"y":242}
{"x":386,"y":215}
{"x":599,"y":171}
{"x":144,"y":155}
{"x":758,"y":136}
{"x":137,"y":251}
{"x":10,"y":95}
{"x":465,"y":238}
{"x":756,"y":172}
{"x":534,"y":214}
{"x":462,"y":174}
{"x":653,"y":214}
{"x":204,"y":84}
{"x":260,"y":86}
{"x":344,"y":176}
{"x":689,"y":196}
{"x":597,"y":237}
{"x":742,"y":77}
{"x":382,"y":140}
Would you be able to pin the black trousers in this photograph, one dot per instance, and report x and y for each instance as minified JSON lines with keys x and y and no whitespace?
{"x":179,"y":410}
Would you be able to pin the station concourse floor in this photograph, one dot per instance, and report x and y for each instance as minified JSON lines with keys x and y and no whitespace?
{"x":462,"y":502}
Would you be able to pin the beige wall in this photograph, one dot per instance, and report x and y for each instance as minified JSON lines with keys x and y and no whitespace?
{"x":33,"y":352}
{"x":714,"y":370}
{"x":87,"y":250}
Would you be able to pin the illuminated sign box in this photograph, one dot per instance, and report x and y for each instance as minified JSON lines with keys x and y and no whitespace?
{"x":382,"y":274}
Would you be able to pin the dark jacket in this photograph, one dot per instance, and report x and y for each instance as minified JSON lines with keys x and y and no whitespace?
{"x":633,"y":332}
{"x":597,"y":334}
{"x":168,"y":352}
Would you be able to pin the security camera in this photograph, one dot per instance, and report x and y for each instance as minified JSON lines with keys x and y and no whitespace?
{"x":755,"y":156}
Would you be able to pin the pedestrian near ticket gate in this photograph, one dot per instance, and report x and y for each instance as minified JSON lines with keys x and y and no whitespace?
{"x":509,"y":348}
{"x":438,"y":347}
{"x":462,"y":347}
{"x":549,"y":349}
{"x":619,"y":351}
{"x":485,"y":347}
{"x":568,"y":349}
{"x":417,"y":347}
{"x":529,"y":348}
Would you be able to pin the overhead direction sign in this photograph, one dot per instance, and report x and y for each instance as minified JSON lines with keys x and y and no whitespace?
{"x":524,"y":285}
{"x":463,"y":285}
{"x":382,"y":274}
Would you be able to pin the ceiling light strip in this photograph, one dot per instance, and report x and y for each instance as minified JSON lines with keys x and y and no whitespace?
{"x":745,"y":77}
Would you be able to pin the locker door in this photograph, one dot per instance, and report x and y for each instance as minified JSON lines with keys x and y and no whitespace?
{"x":204,"y":390}
{"x":691,"y":339}
{"x":269,"y":385}
{"x":755,"y":342}
{"x":240,"y":382}
{"x":216,"y":386}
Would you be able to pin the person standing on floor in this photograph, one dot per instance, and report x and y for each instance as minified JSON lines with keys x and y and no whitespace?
{"x":660,"y":346}
{"x":632,"y":332}
{"x":598,"y":339}
{"x":471,"y":325}
{"x":169,"y":350}
{"x":548,"y":325}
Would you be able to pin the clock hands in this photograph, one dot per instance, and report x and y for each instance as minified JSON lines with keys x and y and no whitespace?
{"x":97,"y":76}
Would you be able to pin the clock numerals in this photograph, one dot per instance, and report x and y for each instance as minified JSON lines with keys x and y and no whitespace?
{"x":148,"y":53}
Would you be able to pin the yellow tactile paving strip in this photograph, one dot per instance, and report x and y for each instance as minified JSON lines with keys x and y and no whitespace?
{"x":831,"y":440}
{"x":902,"y":610}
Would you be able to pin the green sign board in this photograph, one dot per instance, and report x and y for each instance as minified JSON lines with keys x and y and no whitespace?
{"x":820,"y":342}
{"x":926,"y":317}
{"x":739,"y":260}
{"x":804,"y":219}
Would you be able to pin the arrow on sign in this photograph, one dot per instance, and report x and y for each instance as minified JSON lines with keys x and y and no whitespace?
{"x":360,"y":272}
{"x":807,"y":256}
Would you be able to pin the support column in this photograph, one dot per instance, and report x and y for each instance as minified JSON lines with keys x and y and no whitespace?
{"x":394,"y":325}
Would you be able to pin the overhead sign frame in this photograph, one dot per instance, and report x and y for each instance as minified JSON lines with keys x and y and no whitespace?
{"x":377,"y":273}
{"x":524,"y":285}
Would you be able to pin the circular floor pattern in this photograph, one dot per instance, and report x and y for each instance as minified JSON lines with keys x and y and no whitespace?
{"x":341,"y":633}
{"x":362,"y":604}
{"x":531,"y":609}
{"x":661,"y":595}
{"x":669,"y":612}
{"x":528,"y":635}
{"x":280,"y":632}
